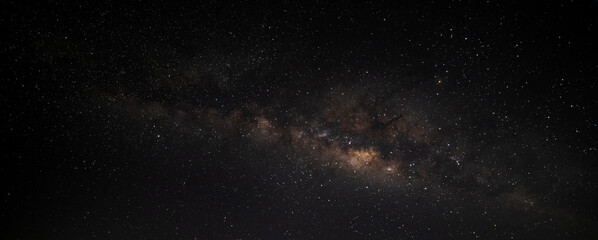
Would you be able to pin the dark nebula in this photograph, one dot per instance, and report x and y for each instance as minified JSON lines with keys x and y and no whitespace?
{"x":288,"y":120}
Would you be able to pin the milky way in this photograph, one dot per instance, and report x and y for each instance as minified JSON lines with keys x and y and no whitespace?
{"x":326,"y":120}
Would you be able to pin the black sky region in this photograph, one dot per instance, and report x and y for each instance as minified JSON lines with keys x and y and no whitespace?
{"x":299,"y":120}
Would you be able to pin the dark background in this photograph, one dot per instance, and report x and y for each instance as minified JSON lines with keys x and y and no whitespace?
{"x":103,"y":135}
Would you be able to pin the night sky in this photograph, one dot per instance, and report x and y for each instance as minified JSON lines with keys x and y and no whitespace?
{"x":297,"y":120}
